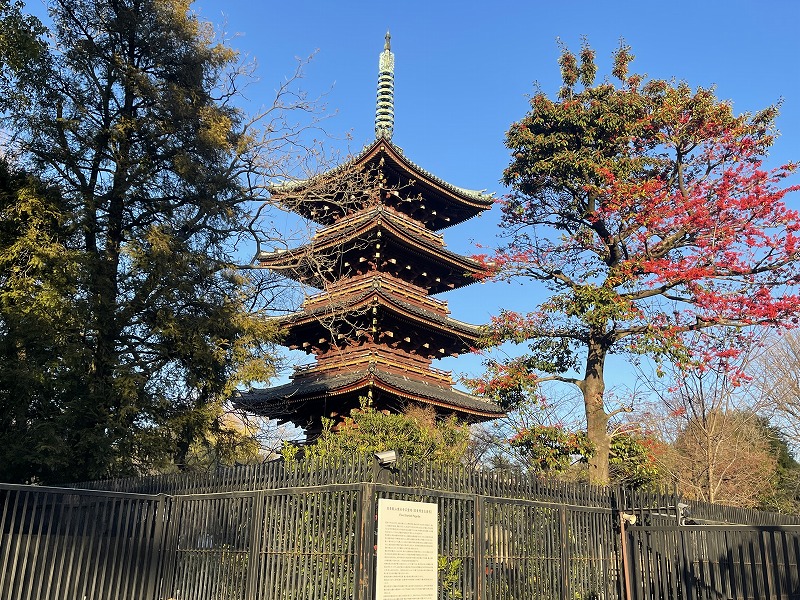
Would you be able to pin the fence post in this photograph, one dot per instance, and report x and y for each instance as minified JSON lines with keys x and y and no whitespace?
{"x":169,"y":546}
{"x":563,"y":535}
{"x":479,"y":549}
{"x":623,"y":538}
{"x":254,"y":550}
{"x":365,"y":585}
{"x":156,"y":568}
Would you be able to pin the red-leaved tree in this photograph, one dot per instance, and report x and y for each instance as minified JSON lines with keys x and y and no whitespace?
{"x":644,"y":208}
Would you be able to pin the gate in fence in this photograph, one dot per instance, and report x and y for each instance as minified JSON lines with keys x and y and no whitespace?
{"x":498,"y":540}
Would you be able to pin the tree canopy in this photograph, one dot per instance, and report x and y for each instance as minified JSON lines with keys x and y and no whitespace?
{"x":123,"y":318}
{"x":644,"y":207}
{"x":416,"y":433}
{"x":22,"y":53}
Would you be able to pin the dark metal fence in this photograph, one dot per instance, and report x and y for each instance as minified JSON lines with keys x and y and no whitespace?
{"x":319,"y":542}
{"x":279,"y":474}
{"x":715,"y":562}
{"x":67,"y":544}
{"x":308,"y":531}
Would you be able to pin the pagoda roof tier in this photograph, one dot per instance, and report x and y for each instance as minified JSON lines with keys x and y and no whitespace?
{"x":375,"y":239}
{"x":402,"y":184}
{"x":379,"y":315}
{"x":303,"y":399}
{"x":375,"y":280}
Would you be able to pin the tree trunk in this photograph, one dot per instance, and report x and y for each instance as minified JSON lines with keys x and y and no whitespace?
{"x":593,"y":388}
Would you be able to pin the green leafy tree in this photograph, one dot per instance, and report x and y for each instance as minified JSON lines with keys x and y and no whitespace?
{"x":553,"y":450}
{"x":40,"y":331}
{"x":22,"y":52}
{"x":157,"y":173}
{"x":416,"y":433}
{"x":633,"y":459}
{"x":644,"y":208}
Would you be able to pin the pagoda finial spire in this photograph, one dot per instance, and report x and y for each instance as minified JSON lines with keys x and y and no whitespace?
{"x":384,"y":112}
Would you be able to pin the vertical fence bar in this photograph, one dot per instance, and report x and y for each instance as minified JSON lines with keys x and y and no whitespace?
{"x":106,"y":525}
{"x":169,"y":547}
{"x":123,"y":528}
{"x":302,"y":550}
{"x":8,"y":564}
{"x":155,"y":569}
{"x":769,"y":582}
{"x":96,"y":547}
{"x":623,"y":535}
{"x":479,"y":548}
{"x":275,"y":537}
{"x":563,"y":536}
{"x":254,"y":551}
{"x":67,"y":526}
{"x":786,"y":570}
{"x":45,"y":547}
{"x":284,"y":527}
{"x":34,"y":513}
{"x":683,"y":562}
{"x":150,"y":566}
{"x":8,"y":494}
{"x":58,"y":550}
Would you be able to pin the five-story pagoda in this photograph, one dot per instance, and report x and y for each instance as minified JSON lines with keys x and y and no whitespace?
{"x":374,"y":330}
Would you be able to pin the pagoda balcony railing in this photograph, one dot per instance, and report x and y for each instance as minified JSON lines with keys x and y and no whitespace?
{"x":391,"y":361}
{"x":350,"y":222}
{"x":407,"y":291}
{"x":375,"y":354}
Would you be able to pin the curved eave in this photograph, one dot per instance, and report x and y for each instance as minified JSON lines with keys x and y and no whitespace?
{"x":283,"y":401}
{"x":477,"y":200}
{"x":446,"y":398}
{"x":298,"y":263}
{"x":468,"y":202}
{"x":439,"y":324}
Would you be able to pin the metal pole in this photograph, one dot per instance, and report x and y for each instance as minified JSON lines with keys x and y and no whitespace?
{"x":365,"y":585}
{"x":479,"y":549}
{"x":562,"y":526}
{"x":623,"y":520}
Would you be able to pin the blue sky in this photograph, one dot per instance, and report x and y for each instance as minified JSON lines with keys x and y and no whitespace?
{"x":464,"y":70}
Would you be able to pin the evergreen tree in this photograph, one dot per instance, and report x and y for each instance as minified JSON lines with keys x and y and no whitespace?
{"x":40,"y":331}
{"x":145,"y":326}
{"x":22,"y":53}
{"x":785,"y":494}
